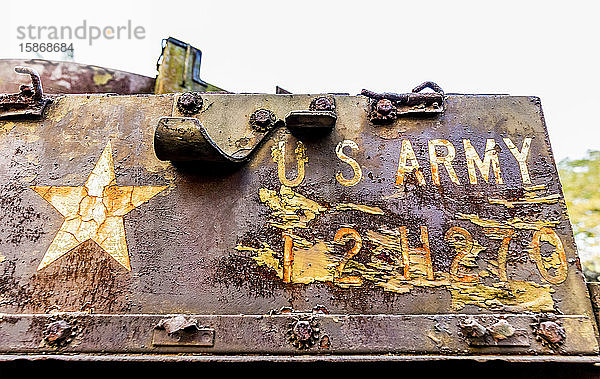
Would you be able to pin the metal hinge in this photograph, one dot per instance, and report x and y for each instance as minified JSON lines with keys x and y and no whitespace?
{"x":387,"y":107}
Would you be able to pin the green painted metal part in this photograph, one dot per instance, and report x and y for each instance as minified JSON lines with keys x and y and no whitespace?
{"x":179,"y":69}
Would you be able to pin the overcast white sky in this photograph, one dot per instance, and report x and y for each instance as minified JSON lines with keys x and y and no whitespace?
{"x":542,"y":48}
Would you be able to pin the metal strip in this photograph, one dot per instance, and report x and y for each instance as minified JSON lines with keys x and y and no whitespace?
{"x":299,"y":358}
{"x":270,"y":334}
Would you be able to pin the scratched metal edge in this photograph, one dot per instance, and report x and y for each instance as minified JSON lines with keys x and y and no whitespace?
{"x":296,"y":358}
{"x":588,"y":305}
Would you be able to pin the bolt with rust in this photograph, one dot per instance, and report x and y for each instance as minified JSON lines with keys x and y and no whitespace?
{"x":551,"y":332}
{"x":303,"y":331}
{"x":58,"y":332}
{"x":502,"y":330}
{"x":262,"y":120}
{"x":321,"y":103}
{"x":190,"y":103}
{"x":383,"y":112}
{"x":325,"y":342}
{"x":384,"y":107}
{"x":472,"y":329}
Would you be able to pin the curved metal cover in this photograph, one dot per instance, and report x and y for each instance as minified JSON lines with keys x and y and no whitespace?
{"x":74,"y":78}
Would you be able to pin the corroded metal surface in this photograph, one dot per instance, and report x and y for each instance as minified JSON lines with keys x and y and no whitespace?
{"x":445,"y":234}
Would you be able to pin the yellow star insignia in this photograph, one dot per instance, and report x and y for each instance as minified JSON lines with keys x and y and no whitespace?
{"x":94,"y":211}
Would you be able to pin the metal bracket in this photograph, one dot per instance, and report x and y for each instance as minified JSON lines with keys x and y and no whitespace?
{"x":181,"y":331}
{"x":310,"y":120}
{"x":501,"y":333}
{"x":185,"y":139}
{"x":180,"y":139}
{"x":386,"y":107}
{"x":29,"y":101}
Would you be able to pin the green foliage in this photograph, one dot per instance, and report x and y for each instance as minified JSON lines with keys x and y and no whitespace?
{"x":580,"y":180}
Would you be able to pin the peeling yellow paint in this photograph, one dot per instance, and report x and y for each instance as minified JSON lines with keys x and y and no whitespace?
{"x":359,"y":207}
{"x":521,"y":156}
{"x":514,"y":223}
{"x":396,"y":285}
{"x":394,"y":264}
{"x":408,"y":163}
{"x":339,"y":151}
{"x":6,"y":128}
{"x":446,"y":160}
{"x":517,"y":295}
{"x":265,"y":256}
{"x":388,"y":242}
{"x":530,"y":196}
{"x":550,"y":199}
{"x":490,"y":159}
{"x":101,"y":79}
{"x":467,"y":249}
{"x":30,"y":138}
{"x":314,"y":264}
{"x":557,"y":260}
{"x":291,"y":210}
{"x":317,"y":262}
{"x":505,"y":235}
{"x":535,"y":188}
{"x":341,"y":236}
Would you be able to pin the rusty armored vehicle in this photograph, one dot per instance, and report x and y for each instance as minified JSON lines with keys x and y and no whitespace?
{"x":166,"y":218}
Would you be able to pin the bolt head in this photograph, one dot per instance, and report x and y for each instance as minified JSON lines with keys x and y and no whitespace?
{"x":471,"y":328}
{"x":502,"y":330}
{"x":189,"y":103}
{"x":551,"y":331}
{"x":303,"y":330}
{"x":321,"y":104}
{"x":262,"y":120}
{"x":262,"y":117}
{"x":57,"y":332}
{"x":384,"y":107}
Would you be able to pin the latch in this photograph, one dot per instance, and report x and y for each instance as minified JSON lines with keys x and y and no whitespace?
{"x":182,"y":331}
{"x":387,"y":107}
{"x":29,"y":101}
{"x":320,"y":116}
